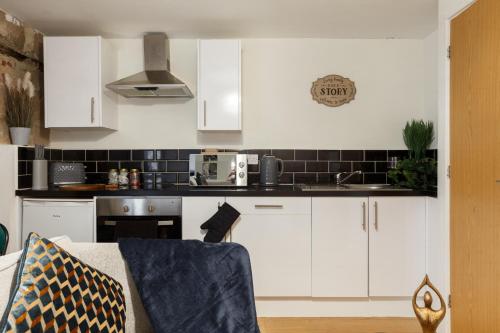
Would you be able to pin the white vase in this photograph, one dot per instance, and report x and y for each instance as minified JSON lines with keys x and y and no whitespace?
{"x":20,"y":135}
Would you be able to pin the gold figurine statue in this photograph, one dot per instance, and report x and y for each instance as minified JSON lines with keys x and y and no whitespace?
{"x":429,"y":318}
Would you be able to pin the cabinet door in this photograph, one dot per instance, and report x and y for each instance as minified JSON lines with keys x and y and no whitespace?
{"x":279,"y":245}
{"x":219,"y":94}
{"x":72,"y":81}
{"x":397,"y":245}
{"x":195,"y":212}
{"x":56,"y":218}
{"x":340,"y":247}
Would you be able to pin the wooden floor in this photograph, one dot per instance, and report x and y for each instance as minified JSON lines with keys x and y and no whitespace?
{"x":339,"y":325}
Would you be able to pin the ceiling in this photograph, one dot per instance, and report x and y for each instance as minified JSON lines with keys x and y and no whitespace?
{"x":230,"y":18}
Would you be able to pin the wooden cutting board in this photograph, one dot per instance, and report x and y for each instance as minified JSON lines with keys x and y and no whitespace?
{"x":83,"y":187}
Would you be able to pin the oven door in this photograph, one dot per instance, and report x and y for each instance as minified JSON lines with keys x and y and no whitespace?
{"x":111,"y":228}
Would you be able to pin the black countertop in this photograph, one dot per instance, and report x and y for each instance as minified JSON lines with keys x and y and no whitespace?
{"x":250,"y":191}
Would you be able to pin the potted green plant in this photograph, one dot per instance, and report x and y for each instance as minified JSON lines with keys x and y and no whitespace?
{"x":19,"y":107}
{"x":417,"y":171}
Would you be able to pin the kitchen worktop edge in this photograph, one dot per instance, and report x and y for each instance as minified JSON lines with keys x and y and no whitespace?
{"x":186,"y":191}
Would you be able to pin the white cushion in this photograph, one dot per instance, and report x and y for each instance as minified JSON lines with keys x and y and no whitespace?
{"x":105,"y":257}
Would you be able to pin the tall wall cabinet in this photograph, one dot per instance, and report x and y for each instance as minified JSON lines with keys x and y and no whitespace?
{"x":219,"y":85}
{"x":75,"y":72}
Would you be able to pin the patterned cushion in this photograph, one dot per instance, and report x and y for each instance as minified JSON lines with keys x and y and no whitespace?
{"x":55,"y":292}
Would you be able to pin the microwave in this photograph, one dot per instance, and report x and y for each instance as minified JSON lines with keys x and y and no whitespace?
{"x":218,"y":169}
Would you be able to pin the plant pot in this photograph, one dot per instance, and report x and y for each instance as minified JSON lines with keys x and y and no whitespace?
{"x":20,"y":135}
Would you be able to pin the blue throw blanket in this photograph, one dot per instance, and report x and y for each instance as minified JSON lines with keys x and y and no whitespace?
{"x":193,"y":287}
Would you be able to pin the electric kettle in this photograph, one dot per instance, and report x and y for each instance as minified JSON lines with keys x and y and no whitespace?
{"x":271,"y":168}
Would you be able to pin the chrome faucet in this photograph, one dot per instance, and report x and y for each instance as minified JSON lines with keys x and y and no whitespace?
{"x":341,"y":180}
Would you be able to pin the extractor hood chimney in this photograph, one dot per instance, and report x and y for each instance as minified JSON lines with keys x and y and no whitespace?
{"x":156,"y":80}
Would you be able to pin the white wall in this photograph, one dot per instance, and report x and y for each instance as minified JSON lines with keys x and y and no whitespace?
{"x":278,"y":110}
{"x":9,"y":203}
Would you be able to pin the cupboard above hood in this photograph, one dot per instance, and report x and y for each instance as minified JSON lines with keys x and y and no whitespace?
{"x":156,"y":80}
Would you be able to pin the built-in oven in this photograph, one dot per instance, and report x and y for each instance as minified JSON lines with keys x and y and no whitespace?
{"x":138,"y":217}
{"x":218,"y":169}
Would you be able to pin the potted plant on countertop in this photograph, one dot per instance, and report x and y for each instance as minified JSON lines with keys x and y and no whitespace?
{"x":417,"y":171}
{"x":19,"y":107}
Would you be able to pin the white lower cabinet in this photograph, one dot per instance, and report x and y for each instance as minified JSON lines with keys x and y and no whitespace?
{"x":51,"y":218}
{"x":397,"y":245}
{"x":277,"y":234}
{"x":330,"y":247}
{"x":340,"y":247}
{"x":195,"y":212}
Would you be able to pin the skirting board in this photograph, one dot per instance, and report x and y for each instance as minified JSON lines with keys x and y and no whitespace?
{"x":346,"y":307}
{"x":339,"y":325}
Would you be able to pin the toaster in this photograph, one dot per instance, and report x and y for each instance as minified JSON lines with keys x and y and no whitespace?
{"x":64,"y":173}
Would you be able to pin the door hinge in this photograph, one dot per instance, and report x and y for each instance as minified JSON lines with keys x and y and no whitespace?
{"x":448,"y":171}
{"x":449,"y":301}
{"x":449,"y":52}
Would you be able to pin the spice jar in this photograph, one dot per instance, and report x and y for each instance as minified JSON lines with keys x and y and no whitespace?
{"x":123,"y":179}
{"x":113,"y":177}
{"x":135,"y":180}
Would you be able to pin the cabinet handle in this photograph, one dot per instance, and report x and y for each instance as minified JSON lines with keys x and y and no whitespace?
{"x":376,"y":215}
{"x":204,"y":113}
{"x":92,"y":103}
{"x":269,"y":206}
{"x":364,"y":216}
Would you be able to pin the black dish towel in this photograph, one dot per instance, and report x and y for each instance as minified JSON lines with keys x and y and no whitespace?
{"x":220,"y":223}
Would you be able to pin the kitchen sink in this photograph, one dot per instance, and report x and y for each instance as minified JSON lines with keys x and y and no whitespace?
{"x":352,"y":187}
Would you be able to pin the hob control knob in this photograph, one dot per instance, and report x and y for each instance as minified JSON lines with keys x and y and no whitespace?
{"x":242,"y":165}
{"x":242,"y":175}
{"x":126,"y":209}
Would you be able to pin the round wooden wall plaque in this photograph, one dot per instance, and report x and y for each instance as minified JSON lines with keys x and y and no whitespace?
{"x":333,"y":90}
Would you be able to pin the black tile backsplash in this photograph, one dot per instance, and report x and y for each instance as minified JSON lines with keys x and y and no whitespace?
{"x":178,"y":166}
{"x":96,"y":155}
{"x":162,"y":167}
{"x":352,"y":155}
{"x":167,"y":154}
{"x":184,"y":153}
{"x":120,"y":155}
{"x":329,"y":155}
{"x":141,"y":155}
{"x":308,"y":155}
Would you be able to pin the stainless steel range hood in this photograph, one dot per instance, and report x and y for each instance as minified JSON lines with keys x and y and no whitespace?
{"x":156,"y":80}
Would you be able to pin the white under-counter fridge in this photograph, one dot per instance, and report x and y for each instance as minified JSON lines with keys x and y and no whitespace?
{"x":54,"y":217}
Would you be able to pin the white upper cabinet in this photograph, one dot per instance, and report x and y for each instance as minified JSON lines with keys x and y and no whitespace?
{"x":75,"y":72}
{"x":219,"y":85}
{"x":340,"y":247}
{"x":397,"y":245}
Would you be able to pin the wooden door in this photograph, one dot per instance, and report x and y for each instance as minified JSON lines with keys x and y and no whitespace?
{"x":397,"y":245}
{"x":339,"y":247}
{"x":475,"y":169}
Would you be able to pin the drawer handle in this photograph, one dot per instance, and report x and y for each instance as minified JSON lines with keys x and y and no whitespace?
{"x":269,"y":206}
{"x":364,"y":216}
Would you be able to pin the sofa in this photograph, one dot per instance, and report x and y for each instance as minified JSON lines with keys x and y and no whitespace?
{"x":105,"y":257}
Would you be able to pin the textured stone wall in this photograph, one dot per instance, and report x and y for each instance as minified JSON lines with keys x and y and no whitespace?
{"x":20,"y":51}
